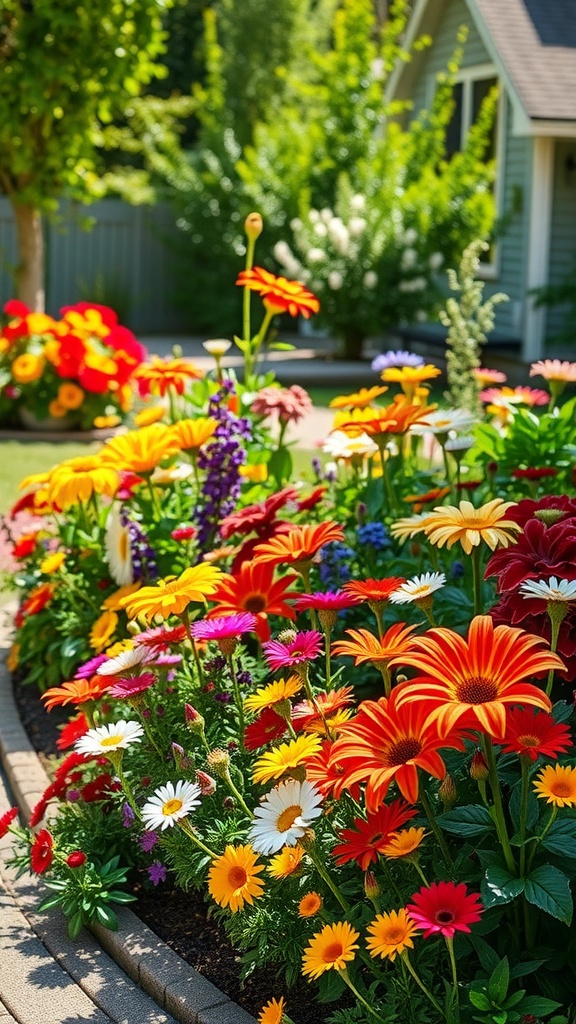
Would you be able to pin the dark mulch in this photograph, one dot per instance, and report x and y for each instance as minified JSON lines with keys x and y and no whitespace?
{"x":180,"y":919}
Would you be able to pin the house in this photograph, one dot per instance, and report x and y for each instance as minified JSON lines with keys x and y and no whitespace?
{"x":529,"y":48}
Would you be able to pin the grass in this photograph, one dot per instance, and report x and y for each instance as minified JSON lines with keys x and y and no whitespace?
{"x":21,"y":458}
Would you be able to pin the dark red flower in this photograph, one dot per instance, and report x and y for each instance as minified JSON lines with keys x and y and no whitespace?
{"x":364,"y":841}
{"x":267,"y":727}
{"x":7,"y":820}
{"x":25,"y":545}
{"x":99,"y":789}
{"x":541,"y":552}
{"x":513,"y":609}
{"x":528,"y":507}
{"x":41,"y":852}
{"x":532,"y":733}
{"x":259,"y":517}
{"x":76,"y":859}
{"x":533,"y":473}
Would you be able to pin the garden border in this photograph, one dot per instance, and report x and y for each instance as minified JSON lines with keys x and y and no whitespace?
{"x":163,"y":975}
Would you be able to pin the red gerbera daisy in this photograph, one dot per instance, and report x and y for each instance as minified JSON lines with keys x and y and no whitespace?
{"x":364,"y":842}
{"x":129,"y":686}
{"x":161,"y":637}
{"x":72,"y":731}
{"x":267,"y":727}
{"x":445,"y":908}
{"x":532,"y":733}
{"x":7,"y":820}
{"x":304,"y":647}
{"x":253,"y":589}
{"x":373,"y":591}
{"x":41,"y":852}
{"x":259,"y":517}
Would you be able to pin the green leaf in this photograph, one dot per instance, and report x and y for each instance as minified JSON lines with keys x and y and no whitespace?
{"x":107,"y":917}
{"x":499,"y":981}
{"x":470,"y":820}
{"x":486,"y":954}
{"x":539,"y":1006}
{"x":561,"y":838}
{"x":479,"y":1000}
{"x":499,"y":886}
{"x":280,"y":465}
{"x":281,"y":346}
{"x":49,"y":902}
{"x":549,"y":889}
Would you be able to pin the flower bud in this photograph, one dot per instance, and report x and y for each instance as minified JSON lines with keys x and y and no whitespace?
{"x":193,"y":719}
{"x":549,"y":516}
{"x":76,"y":859}
{"x":181,"y":759}
{"x":206,"y":782}
{"x":448,"y":793}
{"x":253,"y":226}
{"x":361,"y":512}
{"x":219,"y":762}
{"x":478,"y":767}
{"x":287,"y":636}
{"x":371,"y":887}
{"x":228,"y":803}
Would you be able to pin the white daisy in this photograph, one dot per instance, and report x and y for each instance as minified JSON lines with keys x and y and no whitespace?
{"x":418,"y":588}
{"x":123,"y":662}
{"x":117,"y":549}
{"x":107,"y":738}
{"x":340,"y":446}
{"x":443,"y":421}
{"x":169,"y":804}
{"x":550,"y":590}
{"x":460,"y":444}
{"x":283,"y":816}
{"x":217,"y":346}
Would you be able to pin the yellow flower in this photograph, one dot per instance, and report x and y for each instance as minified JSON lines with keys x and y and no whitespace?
{"x":78,"y":479}
{"x":232,"y":880}
{"x":27,"y":368}
{"x":391,"y":934}
{"x":409,"y":526}
{"x":106,"y":422}
{"x":172,"y":595}
{"x":557,"y":784}
{"x":275,"y":763}
{"x":103,"y":630}
{"x":330,"y":949}
{"x":140,"y":451}
{"x":403,"y":843}
{"x":146,"y":417}
{"x":256,"y":474}
{"x":448,"y":524}
{"x":39,"y":323}
{"x":52,"y":562}
{"x":286,"y":862}
{"x":310,"y":904}
{"x":409,"y":377}
{"x":191,"y":434}
{"x":113,"y":602}
{"x":272,"y":1012}
{"x":70,"y":395}
{"x":276,"y":692}
{"x":358,"y":400}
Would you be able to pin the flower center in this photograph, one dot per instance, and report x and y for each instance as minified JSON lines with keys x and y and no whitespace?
{"x":562,"y":790}
{"x":529,"y":741}
{"x":171,"y":806}
{"x":403,"y":751}
{"x":476,"y":690}
{"x":287,"y":818}
{"x":444,"y":916}
{"x":332,"y":952}
{"x":376,"y":838}
{"x":255,"y":603}
{"x":110,"y":741}
{"x":237,"y":877}
{"x":394,"y":936}
{"x":124,"y":545}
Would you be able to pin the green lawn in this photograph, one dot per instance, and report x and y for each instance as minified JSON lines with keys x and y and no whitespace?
{"x":20,"y":458}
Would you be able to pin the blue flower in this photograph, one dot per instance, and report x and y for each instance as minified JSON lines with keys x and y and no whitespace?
{"x":391,"y":358}
{"x":374,"y":534}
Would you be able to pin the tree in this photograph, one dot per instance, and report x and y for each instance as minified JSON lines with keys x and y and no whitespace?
{"x":69,"y":68}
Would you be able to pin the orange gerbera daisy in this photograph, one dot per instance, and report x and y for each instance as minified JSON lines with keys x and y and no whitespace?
{"x":299,"y":546}
{"x":140,"y":451}
{"x":157,"y":375}
{"x":278,"y":294}
{"x":557,"y":785}
{"x":330,"y":949}
{"x":388,"y":742}
{"x":373,"y":591}
{"x":77,"y":691}
{"x":253,"y":589}
{"x":474,"y":680}
{"x":329,"y":709}
{"x":358,"y":400}
{"x":364,"y":646}
{"x":192,"y":434}
{"x":396,"y":418}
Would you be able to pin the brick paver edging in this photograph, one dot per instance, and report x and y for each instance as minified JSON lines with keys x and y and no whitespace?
{"x":156,"y":968}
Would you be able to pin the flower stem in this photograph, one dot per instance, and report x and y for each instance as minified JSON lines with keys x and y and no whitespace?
{"x":498,"y":809}
{"x":435,"y":828}
{"x":127,"y":788}
{"x":477,"y":579}
{"x":523,"y":811}
{"x":346,"y":978}
{"x":450,"y":947}
{"x":324,"y":875}
{"x":556,"y":613}
{"x":237,"y":695}
{"x":419,"y":982}
{"x":186,"y":827}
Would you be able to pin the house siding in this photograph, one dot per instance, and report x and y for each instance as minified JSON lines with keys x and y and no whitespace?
{"x":442,"y":50}
{"x":563,"y":231}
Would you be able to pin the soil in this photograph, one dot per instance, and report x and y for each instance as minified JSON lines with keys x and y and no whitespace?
{"x":180,"y":919}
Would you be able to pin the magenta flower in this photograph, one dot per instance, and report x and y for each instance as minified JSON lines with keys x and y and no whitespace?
{"x":304,"y":647}
{"x":332,"y":601}
{"x":90,"y":667}
{"x":445,"y":908}
{"x":127,"y":687}
{"x":227,"y":627}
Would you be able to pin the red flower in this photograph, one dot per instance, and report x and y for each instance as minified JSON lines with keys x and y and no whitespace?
{"x":315,"y":496}
{"x":253,"y":589}
{"x":183,"y":533}
{"x":310,"y":717}
{"x":304,"y":647}
{"x":160,"y":637}
{"x":41,"y":852}
{"x":532,"y":734}
{"x":257,"y":517}
{"x":278,"y":294}
{"x":76,"y":859}
{"x":364,"y":842}
{"x":373,"y":591}
{"x":72,"y":731}
{"x":25,"y":545}
{"x":325,"y":771}
{"x":7,"y":820}
{"x":267,"y":727}
{"x":533,"y":473}
{"x":445,"y":908}
{"x":16,"y":308}
{"x":300,"y":545}
{"x":99,"y":789}
{"x":37,"y":599}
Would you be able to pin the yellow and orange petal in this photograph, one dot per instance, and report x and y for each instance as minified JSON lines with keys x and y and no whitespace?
{"x":358,"y":400}
{"x":77,"y":691}
{"x":157,"y":375}
{"x":190,"y":434}
{"x":152,"y":414}
{"x":113,"y":602}
{"x":286,"y":862}
{"x":299,"y":545}
{"x":52,"y":563}
{"x":140,"y":451}
{"x":272,"y":1012}
{"x":27,"y":368}
{"x":409,"y":375}
{"x":70,"y":395}
{"x":285,"y":758}
{"x":232,"y":879}
{"x":364,"y":646}
{"x":103,"y":630}
{"x":274,"y":693}
{"x":403,"y":843}
{"x":449,"y":524}
{"x":278,"y":294}
{"x":330,"y":950}
{"x":391,"y":934}
{"x":310,"y":904}
{"x":557,"y":785}
{"x":78,"y":479}
{"x":172,"y":595}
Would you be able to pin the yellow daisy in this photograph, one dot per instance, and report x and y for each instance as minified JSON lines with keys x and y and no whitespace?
{"x":274,"y":693}
{"x":448,"y":524}
{"x":172,"y":595}
{"x":286,"y":862}
{"x":53,"y":562}
{"x":280,"y":761}
{"x":330,"y":950}
{"x":103,"y":630}
{"x":358,"y":400}
{"x":557,"y":785}
{"x":272,"y":1012}
{"x":391,"y":934}
{"x":232,"y":880}
{"x":78,"y":479}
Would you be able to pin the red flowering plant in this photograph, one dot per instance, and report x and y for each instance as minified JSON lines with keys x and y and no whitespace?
{"x":73,"y":372}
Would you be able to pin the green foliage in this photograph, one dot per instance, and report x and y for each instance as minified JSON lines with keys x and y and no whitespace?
{"x":85,"y":893}
{"x":498,"y":1005}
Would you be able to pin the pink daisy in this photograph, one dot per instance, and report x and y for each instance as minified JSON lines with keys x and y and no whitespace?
{"x":226,"y":627}
{"x":304,"y":647}
{"x":128,"y":687}
{"x":445,"y":908}
{"x":331,"y":601}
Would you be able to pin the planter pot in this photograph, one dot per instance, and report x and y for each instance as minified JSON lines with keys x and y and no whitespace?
{"x":30,"y":421}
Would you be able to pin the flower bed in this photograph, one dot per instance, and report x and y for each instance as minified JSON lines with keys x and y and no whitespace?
{"x":340,"y":709}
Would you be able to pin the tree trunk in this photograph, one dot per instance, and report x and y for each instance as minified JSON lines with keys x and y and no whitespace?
{"x":30,"y":270}
{"x":353,"y":343}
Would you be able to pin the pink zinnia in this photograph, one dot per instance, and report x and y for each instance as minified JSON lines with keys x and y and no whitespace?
{"x":127,"y":687}
{"x":331,"y":601}
{"x":160,"y":637}
{"x":290,"y":404}
{"x":304,"y":647}
{"x":445,"y":908}
{"x":224,"y":628}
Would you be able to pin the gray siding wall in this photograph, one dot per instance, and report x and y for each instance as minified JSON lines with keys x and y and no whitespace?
{"x":125,"y":261}
{"x":563,"y":229}
{"x":442,"y":49}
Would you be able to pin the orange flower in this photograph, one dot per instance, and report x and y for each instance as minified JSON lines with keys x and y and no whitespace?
{"x":474,"y":680}
{"x":364,"y":646}
{"x":373,"y":591}
{"x":157,"y":375}
{"x":253,"y":589}
{"x":396,"y":418}
{"x":300,"y":545}
{"x":193,"y":433}
{"x":403,"y":843}
{"x":310,"y":904}
{"x":388,"y":742}
{"x":140,"y":451}
{"x":358,"y":400}
{"x":77,"y":691}
{"x":70,"y":395}
{"x":27,"y":368}
{"x":278,"y":294}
